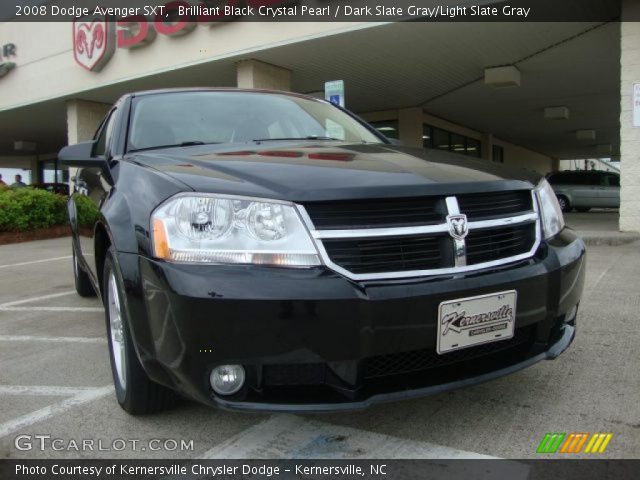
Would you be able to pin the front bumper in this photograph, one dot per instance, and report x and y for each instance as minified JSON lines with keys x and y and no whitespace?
{"x":312,"y":340}
{"x":563,"y":342}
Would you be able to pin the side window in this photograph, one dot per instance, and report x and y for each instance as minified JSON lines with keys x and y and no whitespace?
{"x":581,"y":178}
{"x":599,"y":179}
{"x":104,"y":134}
{"x":613,"y":181}
{"x":564,"y":178}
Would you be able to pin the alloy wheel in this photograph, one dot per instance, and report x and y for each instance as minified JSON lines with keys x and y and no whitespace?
{"x":563,"y":203}
{"x":116,"y":328}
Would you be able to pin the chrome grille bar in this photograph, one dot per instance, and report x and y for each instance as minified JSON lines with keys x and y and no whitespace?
{"x":460,"y":261}
{"x":399,"y":231}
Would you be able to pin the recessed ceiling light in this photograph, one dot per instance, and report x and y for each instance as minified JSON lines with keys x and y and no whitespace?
{"x":22,"y":146}
{"x":500,"y":77}
{"x":586,"y":134}
{"x":556,"y":113}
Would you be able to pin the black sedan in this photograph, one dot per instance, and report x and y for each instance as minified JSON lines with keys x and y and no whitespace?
{"x":269,"y":251}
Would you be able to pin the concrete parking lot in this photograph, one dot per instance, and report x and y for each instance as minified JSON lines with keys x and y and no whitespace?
{"x":55,"y":381}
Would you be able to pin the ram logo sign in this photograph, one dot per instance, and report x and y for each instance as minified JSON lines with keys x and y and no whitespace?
{"x":93,"y":42}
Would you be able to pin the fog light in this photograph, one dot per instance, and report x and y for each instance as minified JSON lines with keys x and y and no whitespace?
{"x":227,"y":379}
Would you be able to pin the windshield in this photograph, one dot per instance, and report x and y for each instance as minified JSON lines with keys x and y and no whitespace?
{"x":192,"y":118}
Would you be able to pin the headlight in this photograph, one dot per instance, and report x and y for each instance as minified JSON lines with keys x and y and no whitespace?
{"x":203,"y":228}
{"x":550,"y":211}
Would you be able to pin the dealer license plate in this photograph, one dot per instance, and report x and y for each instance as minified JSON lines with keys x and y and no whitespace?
{"x":471,"y":321}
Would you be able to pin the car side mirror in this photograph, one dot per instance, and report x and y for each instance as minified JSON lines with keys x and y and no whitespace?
{"x":81,"y":155}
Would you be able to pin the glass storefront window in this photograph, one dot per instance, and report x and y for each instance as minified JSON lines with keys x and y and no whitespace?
{"x":440,"y":139}
{"x":433,"y":137}
{"x":474,"y":147}
{"x":51,"y":171}
{"x":458,"y":144}
{"x":427,"y":135}
{"x":389,"y":128}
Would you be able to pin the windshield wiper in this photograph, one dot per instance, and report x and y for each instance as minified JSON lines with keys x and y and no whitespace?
{"x":183,"y":144}
{"x":310,"y":137}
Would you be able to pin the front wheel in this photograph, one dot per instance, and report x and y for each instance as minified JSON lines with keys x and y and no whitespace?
{"x":136,"y":393}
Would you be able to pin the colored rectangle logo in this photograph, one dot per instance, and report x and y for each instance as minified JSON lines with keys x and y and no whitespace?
{"x":575,"y":442}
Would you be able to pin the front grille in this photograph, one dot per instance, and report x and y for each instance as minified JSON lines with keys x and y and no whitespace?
{"x":495,"y":243}
{"x":376,"y":213}
{"x":419,"y":360}
{"x":388,"y":254}
{"x":359,"y":240}
{"x":496,"y":204}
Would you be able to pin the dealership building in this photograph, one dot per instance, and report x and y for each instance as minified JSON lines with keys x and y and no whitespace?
{"x":524,"y":94}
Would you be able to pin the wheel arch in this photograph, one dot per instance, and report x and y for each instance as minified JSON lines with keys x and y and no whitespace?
{"x":562,"y":193}
{"x":102,"y":242}
{"x":72,"y":213}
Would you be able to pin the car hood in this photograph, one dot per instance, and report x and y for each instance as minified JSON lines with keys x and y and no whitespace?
{"x":318,"y":171}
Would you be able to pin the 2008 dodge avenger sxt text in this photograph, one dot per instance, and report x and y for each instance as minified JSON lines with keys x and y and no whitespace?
{"x":269,"y":251}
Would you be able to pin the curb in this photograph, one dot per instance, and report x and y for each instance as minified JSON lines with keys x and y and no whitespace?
{"x":612,"y":239}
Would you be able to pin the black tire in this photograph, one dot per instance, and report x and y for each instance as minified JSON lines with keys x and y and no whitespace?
{"x":84,"y":287}
{"x":565,"y":206}
{"x":138,"y":394}
{"x":583,"y":209}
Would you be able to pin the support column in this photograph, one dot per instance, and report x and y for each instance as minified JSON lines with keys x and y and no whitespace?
{"x":629,"y":135}
{"x":35,"y":170}
{"x":83,"y":119}
{"x":260,"y":75}
{"x":410,"y":128}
